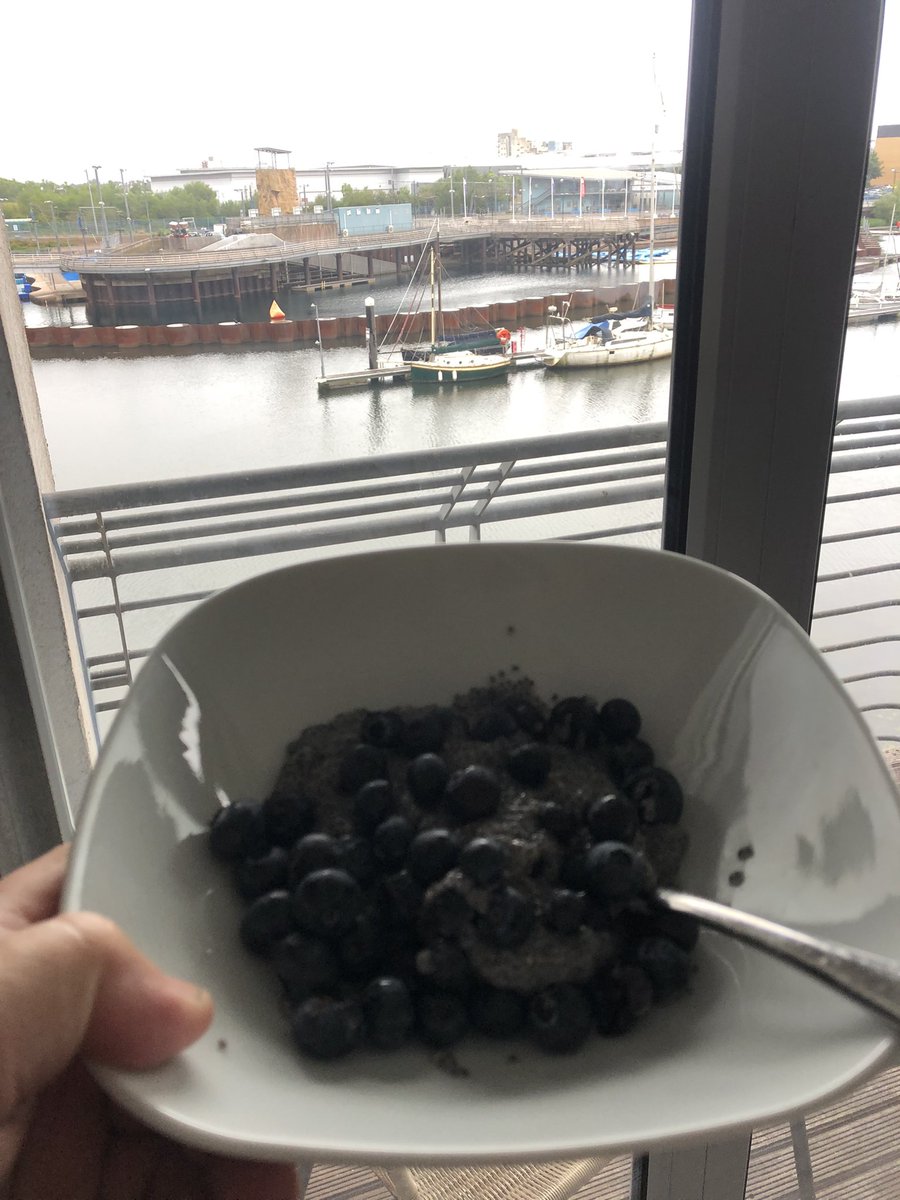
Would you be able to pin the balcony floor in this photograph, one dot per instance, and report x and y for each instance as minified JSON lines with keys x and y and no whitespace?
{"x":852,"y":1145}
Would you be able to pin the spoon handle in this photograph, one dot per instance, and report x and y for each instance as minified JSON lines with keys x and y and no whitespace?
{"x":870,"y":979}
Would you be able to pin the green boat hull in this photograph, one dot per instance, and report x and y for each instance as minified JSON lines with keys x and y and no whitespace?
{"x":437,"y":372}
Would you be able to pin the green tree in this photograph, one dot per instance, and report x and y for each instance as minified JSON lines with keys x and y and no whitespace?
{"x":885,"y":208}
{"x":875,"y":168}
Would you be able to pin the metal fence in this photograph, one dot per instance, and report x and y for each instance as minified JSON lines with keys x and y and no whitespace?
{"x":159,"y":547}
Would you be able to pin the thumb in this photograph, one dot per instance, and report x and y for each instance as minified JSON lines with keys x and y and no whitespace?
{"x":76,"y":984}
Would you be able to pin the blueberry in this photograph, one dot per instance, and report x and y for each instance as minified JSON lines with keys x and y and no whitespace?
{"x":565,"y":911}
{"x":651,"y":921}
{"x":255,"y":876}
{"x":314,"y":852}
{"x":325,"y":1028}
{"x":624,"y":758}
{"x":574,"y":722}
{"x":360,"y":764}
{"x":610,"y":1007}
{"x":372,"y":804}
{"x":619,"y":720}
{"x":445,"y":913}
{"x":529,"y":764}
{"x":638,"y":989}
{"x":528,"y":717}
{"x":266,"y":921}
{"x":441,"y":1017}
{"x":611,"y":818}
{"x":492,"y":723}
{"x":287,"y":816}
{"x":402,"y":896}
{"x":560,"y":1018}
{"x":616,"y":872}
{"x":236,"y":831}
{"x":562,"y":822}
{"x":657,"y":794}
{"x":573,"y":871}
{"x":358,"y":858}
{"x":497,"y":1013}
{"x":390,"y":842}
{"x":423,"y":734}
{"x":388,"y":1011}
{"x":473,"y":793}
{"x":482,"y":861}
{"x":361,"y":949}
{"x":383,"y":729}
{"x":509,"y":919}
{"x":443,"y":963}
{"x":667,"y":966}
{"x":432,"y":854}
{"x":326,"y":903}
{"x":305,"y":965}
{"x":427,"y":777}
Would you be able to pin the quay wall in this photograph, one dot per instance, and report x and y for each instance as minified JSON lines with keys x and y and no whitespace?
{"x":47,"y":340}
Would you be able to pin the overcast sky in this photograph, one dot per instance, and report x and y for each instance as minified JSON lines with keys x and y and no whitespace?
{"x":152,"y":88}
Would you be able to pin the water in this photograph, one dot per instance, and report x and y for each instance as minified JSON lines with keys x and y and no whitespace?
{"x":119,"y":419}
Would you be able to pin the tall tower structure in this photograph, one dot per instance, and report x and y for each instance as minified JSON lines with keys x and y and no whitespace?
{"x":276,"y":182}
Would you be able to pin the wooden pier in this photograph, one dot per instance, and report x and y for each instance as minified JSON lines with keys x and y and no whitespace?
{"x":399,"y":373}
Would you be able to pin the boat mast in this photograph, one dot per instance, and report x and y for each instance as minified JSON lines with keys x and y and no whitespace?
{"x":440,"y":294}
{"x":651,"y":278}
{"x":433,"y":313}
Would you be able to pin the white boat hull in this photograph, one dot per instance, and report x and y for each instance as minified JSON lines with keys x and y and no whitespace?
{"x":618,"y":351}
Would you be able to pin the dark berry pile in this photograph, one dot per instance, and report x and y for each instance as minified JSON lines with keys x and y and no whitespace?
{"x":489,"y":866}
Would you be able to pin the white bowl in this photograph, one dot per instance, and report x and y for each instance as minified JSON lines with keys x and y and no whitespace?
{"x":736,"y":702}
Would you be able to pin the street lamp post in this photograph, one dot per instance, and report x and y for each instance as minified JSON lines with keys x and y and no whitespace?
{"x":465,"y":202}
{"x":451,"y":193}
{"x":328,"y":167}
{"x":55,"y":226}
{"x":102,"y":206}
{"x":125,"y":198}
{"x":91,"y":198}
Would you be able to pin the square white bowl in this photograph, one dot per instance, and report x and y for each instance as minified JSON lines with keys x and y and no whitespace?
{"x":736,"y":701}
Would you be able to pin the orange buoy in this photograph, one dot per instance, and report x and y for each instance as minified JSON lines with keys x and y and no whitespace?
{"x":275,"y":312}
{"x":503,"y":335}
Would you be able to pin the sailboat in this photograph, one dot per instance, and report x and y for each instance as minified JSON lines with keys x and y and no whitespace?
{"x":616,"y":339}
{"x":455,"y":358}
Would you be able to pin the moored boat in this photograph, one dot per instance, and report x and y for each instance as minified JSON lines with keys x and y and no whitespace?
{"x":457,"y":357}
{"x":459,"y":366}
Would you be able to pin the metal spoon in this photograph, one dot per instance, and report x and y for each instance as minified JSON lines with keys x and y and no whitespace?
{"x":870,"y":979}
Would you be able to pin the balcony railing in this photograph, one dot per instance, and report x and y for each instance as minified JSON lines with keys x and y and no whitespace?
{"x":136,"y":556}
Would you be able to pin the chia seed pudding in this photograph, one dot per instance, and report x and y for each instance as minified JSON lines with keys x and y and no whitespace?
{"x":485,"y":866}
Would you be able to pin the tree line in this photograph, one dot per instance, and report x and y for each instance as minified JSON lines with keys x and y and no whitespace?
{"x":45,"y":202}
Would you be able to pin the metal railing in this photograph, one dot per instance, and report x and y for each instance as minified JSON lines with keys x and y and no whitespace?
{"x":157,"y":547}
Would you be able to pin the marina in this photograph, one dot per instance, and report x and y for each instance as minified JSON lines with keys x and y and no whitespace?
{"x":191,"y":427}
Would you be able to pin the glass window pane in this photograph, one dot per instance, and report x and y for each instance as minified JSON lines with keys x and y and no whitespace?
{"x":173,"y":363}
{"x":857,"y":607}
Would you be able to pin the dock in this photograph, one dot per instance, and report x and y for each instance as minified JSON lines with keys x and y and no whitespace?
{"x":863,"y":311}
{"x":399,"y":372}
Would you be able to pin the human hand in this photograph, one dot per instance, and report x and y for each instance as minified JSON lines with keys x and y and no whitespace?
{"x":73,"y":985}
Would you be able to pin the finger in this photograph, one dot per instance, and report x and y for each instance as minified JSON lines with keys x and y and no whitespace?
{"x":234,"y":1179}
{"x":31,"y":893}
{"x":76,"y":983}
